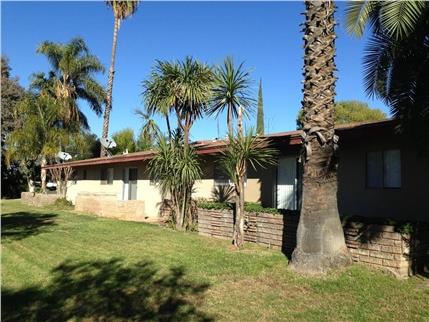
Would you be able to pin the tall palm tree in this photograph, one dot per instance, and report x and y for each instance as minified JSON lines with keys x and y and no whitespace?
{"x":241,"y":151}
{"x":121,"y":11}
{"x":231,"y":91}
{"x":396,"y":64}
{"x":71,"y":78}
{"x":320,"y":238}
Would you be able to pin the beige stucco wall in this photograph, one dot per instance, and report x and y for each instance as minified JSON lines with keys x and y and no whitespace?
{"x":260,"y":184}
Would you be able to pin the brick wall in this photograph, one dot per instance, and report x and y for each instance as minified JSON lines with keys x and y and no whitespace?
{"x":107,"y":205}
{"x":380,"y":246}
{"x":38,"y":199}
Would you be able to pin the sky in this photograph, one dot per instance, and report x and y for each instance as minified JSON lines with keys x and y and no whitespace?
{"x":265,"y":35}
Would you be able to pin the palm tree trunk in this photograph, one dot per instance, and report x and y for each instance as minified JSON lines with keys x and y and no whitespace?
{"x":229,"y":121}
{"x":108,"y":108}
{"x":320,"y":237}
{"x":43,"y":174}
{"x":240,"y":121}
{"x":167,"y":120}
{"x":238,"y":238}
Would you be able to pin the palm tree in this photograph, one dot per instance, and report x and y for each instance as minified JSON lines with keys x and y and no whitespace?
{"x":231,"y":91}
{"x":121,"y":11}
{"x":159,"y":94}
{"x":241,"y":151}
{"x":183,"y":87}
{"x":149,"y":132}
{"x":396,"y":60}
{"x":71,"y":78}
{"x":193,"y":85}
{"x":320,"y":238}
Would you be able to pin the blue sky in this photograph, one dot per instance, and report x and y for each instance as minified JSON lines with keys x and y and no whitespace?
{"x":266,"y":35}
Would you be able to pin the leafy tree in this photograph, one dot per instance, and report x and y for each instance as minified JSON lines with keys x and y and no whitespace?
{"x":38,"y":136}
{"x":396,"y":64}
{"x":175,"y":170}
{"x":124,"y":141}
{"x":320,"y":238}
{"x":12,"y":180}
{"x":71,"y":78}
{"x":260,"y":117}
{"x":121,"y":10}
{"x":244,"y":150}
{"x":350,"y":112}
{"x":231,"y":91}
{"x":11,"y":94}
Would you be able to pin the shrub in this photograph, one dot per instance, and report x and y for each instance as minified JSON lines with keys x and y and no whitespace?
{"x":63,"y":203}
{"x":248,"y":206}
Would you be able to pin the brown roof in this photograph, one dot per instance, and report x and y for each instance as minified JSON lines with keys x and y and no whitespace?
{"x":215,"y":146}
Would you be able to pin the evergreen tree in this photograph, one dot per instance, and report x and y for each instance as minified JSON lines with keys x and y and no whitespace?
{"x":260,"y":117}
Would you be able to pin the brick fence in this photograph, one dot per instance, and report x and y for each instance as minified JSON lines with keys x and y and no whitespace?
{"x":38,"y":199}
{"x":376,"y":245}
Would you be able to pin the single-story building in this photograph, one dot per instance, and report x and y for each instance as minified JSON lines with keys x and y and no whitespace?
{"x":381,"y":174}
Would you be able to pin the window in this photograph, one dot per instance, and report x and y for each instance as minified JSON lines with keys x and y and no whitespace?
{"x":106,"y":176}
{"x":221,"y":178}
{"x":84,"y":175}
{"x":383,"y":169}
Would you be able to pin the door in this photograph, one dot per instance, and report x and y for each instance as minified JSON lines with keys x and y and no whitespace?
{"x":287,"y":183}
{"x":132,"y":184}
{"x":129,"y":191}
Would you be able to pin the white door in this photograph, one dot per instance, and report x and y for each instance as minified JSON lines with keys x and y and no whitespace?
{"x":126,"y":184}
{"x":287,"y":183}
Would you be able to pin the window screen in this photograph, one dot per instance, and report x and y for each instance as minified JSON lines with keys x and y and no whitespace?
{"x":220,"y":177}
{"x":374,"y":170}
{"x":106,"y":176}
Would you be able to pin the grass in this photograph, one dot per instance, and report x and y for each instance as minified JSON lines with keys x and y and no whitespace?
{"x":61,"y":265}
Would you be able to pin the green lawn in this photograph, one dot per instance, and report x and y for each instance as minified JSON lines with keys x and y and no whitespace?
{"x":59,"y":265}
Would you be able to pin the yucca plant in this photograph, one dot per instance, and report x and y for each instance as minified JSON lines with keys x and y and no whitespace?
{"x":243,"y":151}
{"x":231,"y":91}
{"x":175,"y":171}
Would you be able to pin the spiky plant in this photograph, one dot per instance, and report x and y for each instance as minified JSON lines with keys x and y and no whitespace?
{"x":175,"y":170}
{"x":231,"y":91}
{"x":320,"y":239}
{"x":243,"y":151}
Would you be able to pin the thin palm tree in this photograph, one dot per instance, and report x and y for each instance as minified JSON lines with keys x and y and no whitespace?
{"x":71,"y":78}
{"x":121,"y":11}
{"x":320,"y":238}
{"x":231,"y":92}
{"x":396,"y":60}
{"x":244,"y":150}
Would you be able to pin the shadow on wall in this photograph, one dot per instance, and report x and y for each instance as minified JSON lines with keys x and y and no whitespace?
{"x":108,"y":291}
{"x":20,"y":225}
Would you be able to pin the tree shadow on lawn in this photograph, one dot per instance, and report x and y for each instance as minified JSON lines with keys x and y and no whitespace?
{"x":20,"y":225}
{"x":108,"y":291}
